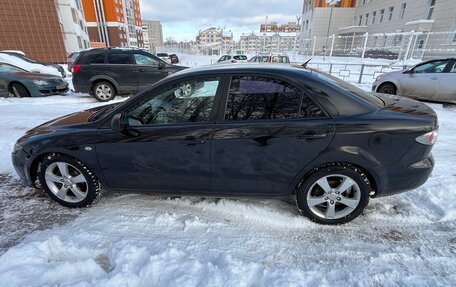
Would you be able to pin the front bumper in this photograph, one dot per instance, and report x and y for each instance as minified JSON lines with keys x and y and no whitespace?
{"x":53,"y":90}
{"x":21,"y":163}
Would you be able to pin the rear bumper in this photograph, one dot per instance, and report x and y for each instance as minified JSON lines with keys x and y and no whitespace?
{"x":399,"y":180}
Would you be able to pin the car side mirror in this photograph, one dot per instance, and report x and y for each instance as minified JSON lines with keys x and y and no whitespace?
{"x":161,"y":65}
{"x":117,"y":123}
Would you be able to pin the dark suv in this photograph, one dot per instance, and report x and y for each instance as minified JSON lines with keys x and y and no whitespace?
{"x":106,"y":72}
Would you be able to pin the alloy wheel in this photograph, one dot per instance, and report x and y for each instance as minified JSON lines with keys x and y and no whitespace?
{"x":333,"y":196}
{"x":66,"y":182}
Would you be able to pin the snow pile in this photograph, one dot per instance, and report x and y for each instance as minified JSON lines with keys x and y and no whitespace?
{"x":31,"y":67}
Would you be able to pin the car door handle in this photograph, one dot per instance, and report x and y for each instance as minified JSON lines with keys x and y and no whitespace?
{"x":192,"y":141}
{"x":312,"y":135}
{"x":140,"y":70}
{"x":434,"y":78}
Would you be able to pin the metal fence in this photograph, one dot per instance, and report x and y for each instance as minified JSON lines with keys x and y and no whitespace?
{"x":392,"y":46}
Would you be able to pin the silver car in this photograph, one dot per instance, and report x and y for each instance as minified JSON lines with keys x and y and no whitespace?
{"x":432,"y":80}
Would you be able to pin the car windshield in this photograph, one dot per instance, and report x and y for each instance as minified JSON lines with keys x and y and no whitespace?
{"x":8,"y":69}
{"x":240,"y":57}
{"x":350,"y":88}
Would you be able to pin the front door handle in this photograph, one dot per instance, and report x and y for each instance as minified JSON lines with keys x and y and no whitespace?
{"x":140,"y":70}
{"x":192,"y":141}
{"x":312,"y":135}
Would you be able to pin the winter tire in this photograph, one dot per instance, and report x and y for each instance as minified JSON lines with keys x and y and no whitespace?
{"x":333,"y":194}
{"x":68,"y":181}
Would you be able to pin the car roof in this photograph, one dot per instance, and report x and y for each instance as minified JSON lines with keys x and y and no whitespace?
{"x":246,"y":68}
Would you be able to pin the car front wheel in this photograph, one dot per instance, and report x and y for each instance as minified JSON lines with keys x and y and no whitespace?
{"x":387,"y":88}
{"x":68,"y":181}
{"x":103,"y":91}
{"x":333,"y":194}
{"x":18,"y":91}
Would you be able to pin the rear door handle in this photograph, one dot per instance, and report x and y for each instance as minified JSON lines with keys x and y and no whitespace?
{"x":312,"y":135}
{"x":192,"y":141}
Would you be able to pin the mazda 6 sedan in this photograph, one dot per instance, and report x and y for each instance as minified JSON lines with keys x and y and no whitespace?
{"x":238,"y":131}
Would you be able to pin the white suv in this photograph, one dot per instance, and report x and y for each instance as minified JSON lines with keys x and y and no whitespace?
{"x":225,"y":59}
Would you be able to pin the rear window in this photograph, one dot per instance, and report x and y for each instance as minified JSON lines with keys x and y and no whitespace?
{"x":240,"y":57}
{"x":351,"y":88}
{"x":118,"y":58}
{"x":98,"y":58}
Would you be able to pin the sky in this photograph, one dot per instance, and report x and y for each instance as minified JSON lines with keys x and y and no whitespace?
{"x":182,"y":19}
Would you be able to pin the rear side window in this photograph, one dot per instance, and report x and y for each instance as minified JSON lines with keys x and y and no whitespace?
{"x":280,"y":59}
{"x":98,"y":58}
{"x":264,"y":98}
{"x":118,"y":58}
{"x":242,"y":58}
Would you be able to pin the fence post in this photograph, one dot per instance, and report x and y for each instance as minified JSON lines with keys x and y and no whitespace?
{"x":408,"y":45}
{"x":366,"y":36}
{"x":361,"y":74}
{"x":313,"y":47}
{"x":332,"y":47}
{"x":414,"y":45}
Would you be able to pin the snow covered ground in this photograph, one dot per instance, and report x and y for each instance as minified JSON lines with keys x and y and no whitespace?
{"x":148,"y":240}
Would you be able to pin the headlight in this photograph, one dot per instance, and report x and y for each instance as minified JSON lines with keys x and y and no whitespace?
{"x":17,"y":147}
{"x":40,"y":82}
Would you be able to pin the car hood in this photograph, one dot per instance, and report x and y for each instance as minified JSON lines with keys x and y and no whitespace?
{"x":176,"y":67}
{"x":35,"y":76}
{"x":407,"y":106}
{"x":395,"y":74}
{"x":81,"y":118}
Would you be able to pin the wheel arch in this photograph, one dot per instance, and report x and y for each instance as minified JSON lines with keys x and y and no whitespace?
{"x":103,"y":78}
{"x":388,"y":82}
{"x":10,"y":84}
{"x":37,"y":160}
{"x":306,"y":172}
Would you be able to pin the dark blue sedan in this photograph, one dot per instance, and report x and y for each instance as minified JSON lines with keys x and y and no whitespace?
{"x":239,"y":130}
{"x":16,"y":82}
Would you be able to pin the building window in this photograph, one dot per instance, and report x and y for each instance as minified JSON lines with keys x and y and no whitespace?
{"x":382,"y":13}
{"x":374,"y":14}
{"x":360,"y":20}
{"x":404,"y":5}
{"x":431,"y":5}
{"x":390,"y":17}
{"x":367,"y":19}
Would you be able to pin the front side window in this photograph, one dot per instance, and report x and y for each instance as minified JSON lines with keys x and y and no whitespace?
{"x":145,"y":60}
{"x":264,"y":98}
{"x":240,"y":57}
{"x":120,"y":58}
{"x":185,"y":102}
{"x":7,"y":69}
{"x":453,"y":70}
{"x":431,"y":67}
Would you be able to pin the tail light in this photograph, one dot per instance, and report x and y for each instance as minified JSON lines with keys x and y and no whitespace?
{"x":270,"y":60}
{"x":429,"y":138}
{"x":75,"y":69}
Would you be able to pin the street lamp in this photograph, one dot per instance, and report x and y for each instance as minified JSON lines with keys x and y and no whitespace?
{"x":298,"y":19}
{"x":331,"y":3}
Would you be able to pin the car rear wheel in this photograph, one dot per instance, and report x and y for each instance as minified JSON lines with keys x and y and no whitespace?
{"x":18,"y":91}
{"x":387,"y":88}
{"x":103,"y":91}
{"x":333,"y":194}
{"x":68,"y":181}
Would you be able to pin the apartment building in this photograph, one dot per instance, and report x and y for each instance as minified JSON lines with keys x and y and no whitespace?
{"x":387,"y":21}
{"x":215,"y":39}
{"x":45,"y":30}
{"x":290,"y":27}
{"x":267,"y":42}
{"x":114,"y":22}
{"x":153,"y":35}
{"x":74,"y":28}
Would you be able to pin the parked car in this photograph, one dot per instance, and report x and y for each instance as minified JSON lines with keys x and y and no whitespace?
{"x":106,"y":72}
{"x":165,"y":57}
{"x":270,"y":58}
{"x":17,"y":82}
{"x":70,"y":60}
{"x":432,"y":80}
{"x":17,"y":59}
{"x":226,"y":59}
{"x":381,"y":54}
{"x":250,"y":130}
{"x":174,"y":59}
